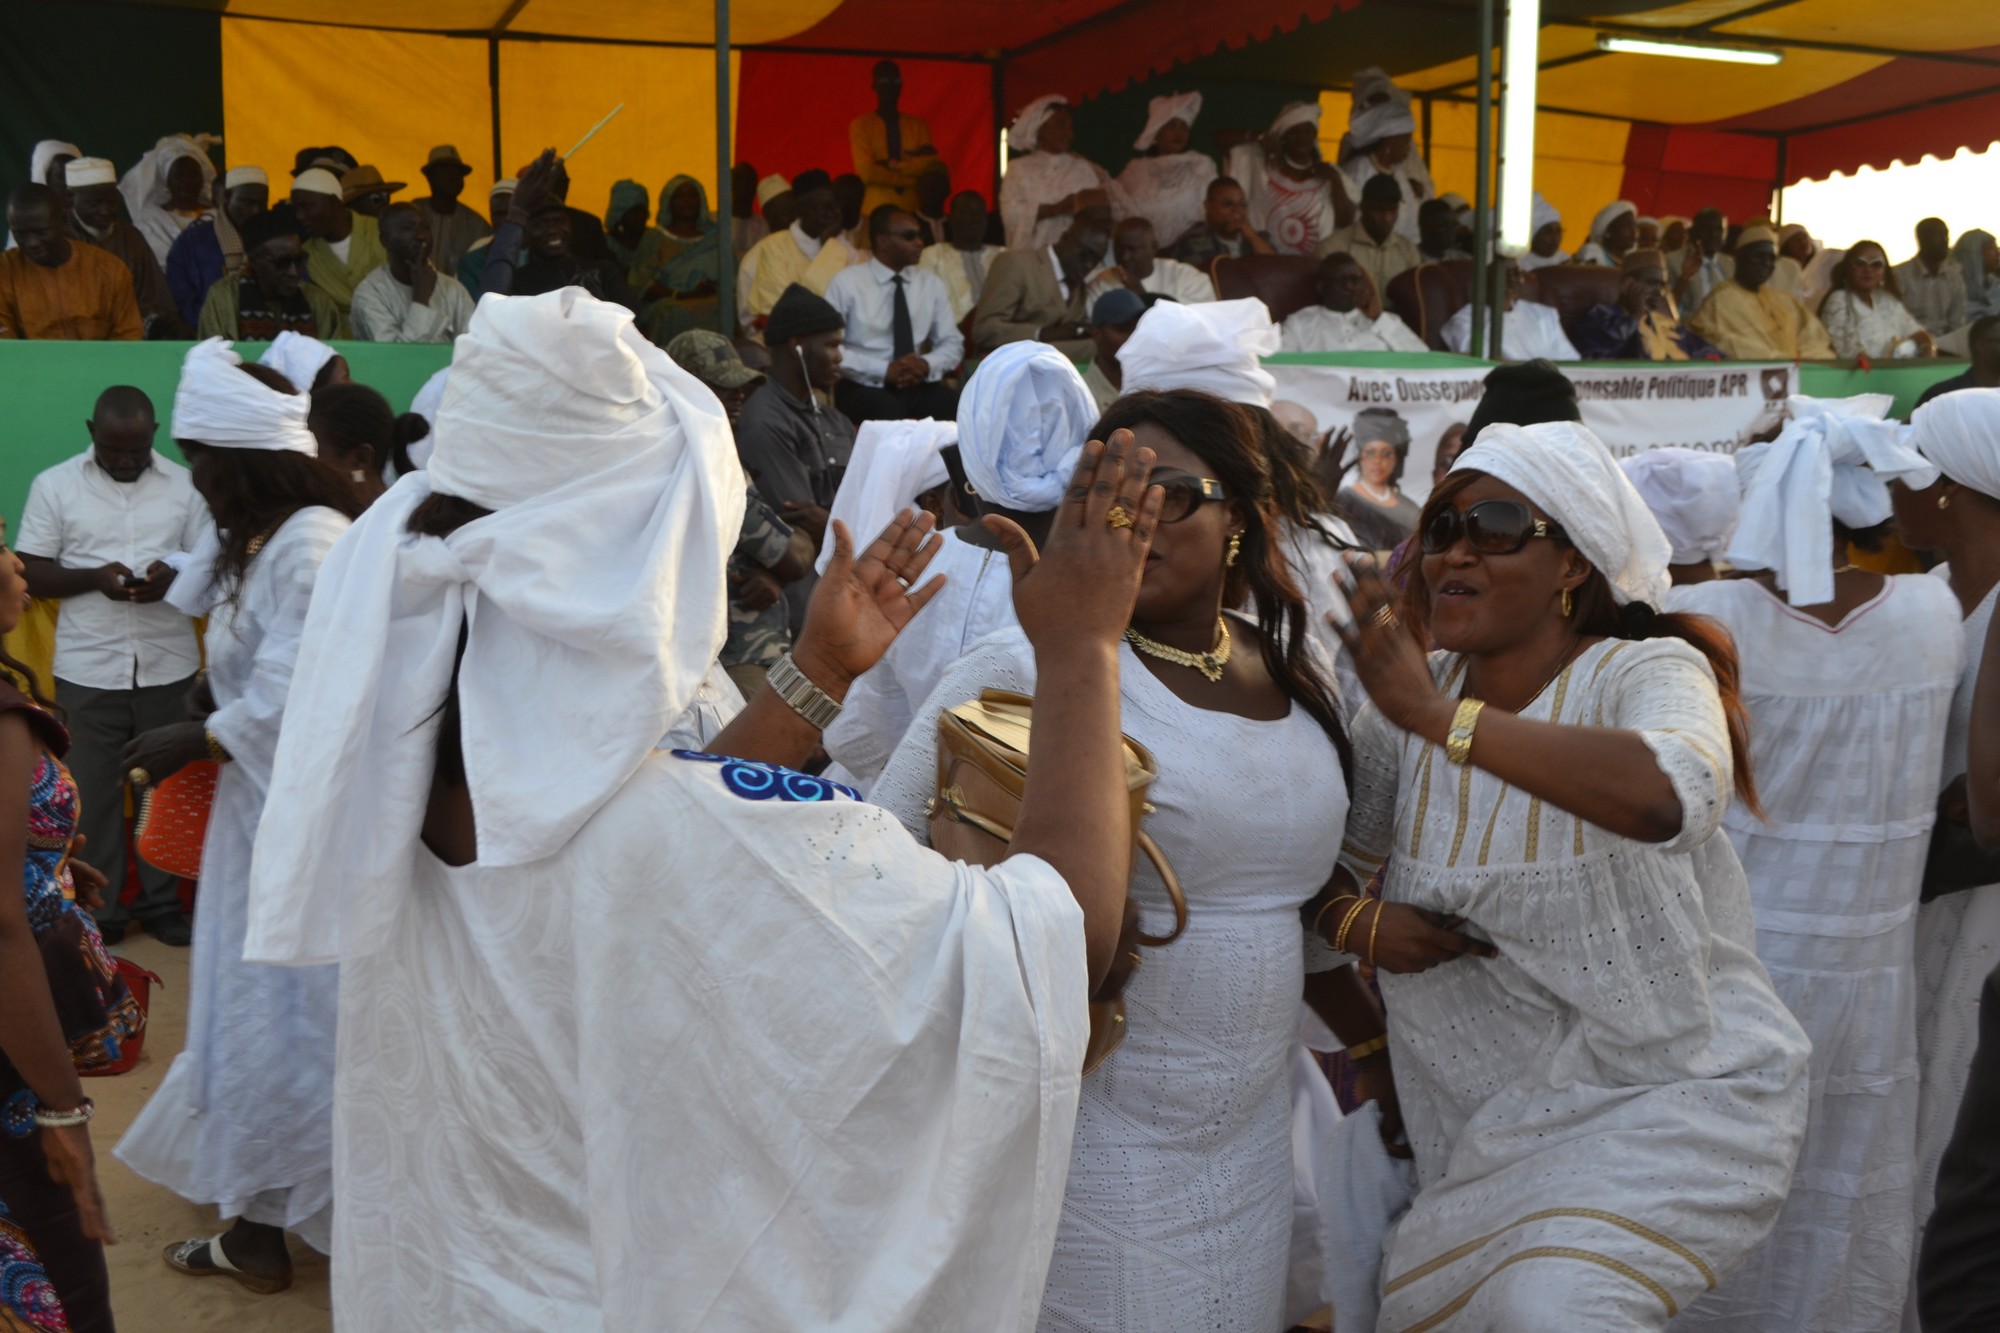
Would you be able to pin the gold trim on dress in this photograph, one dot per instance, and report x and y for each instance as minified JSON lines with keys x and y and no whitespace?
{"x":1618,"y":1266}
{"x":1464,"y":801}
{"x":1638,"y":1229}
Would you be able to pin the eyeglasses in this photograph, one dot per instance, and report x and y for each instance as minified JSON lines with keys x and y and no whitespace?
{"x":1868,"y":263}
{"x":1491,"y":527}
{"x":1185,"y":494}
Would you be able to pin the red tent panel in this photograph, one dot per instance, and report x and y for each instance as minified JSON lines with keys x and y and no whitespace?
{"x":1674,"y":169}
{"x":1938,"y":130}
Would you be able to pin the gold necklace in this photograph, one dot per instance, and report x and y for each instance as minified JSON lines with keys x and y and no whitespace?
{"x":1210,"y":663}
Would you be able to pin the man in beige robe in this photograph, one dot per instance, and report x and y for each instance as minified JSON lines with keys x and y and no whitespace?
{"x":1750,"y":320}
{"x":809,"y":252}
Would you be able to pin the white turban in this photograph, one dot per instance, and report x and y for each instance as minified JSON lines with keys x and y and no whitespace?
{"x":1542,"y":214}
{"x":46,"y":152}
{"x":592,"y":599}
{"x":1379,"y":110}
{"x":1959,"y":434}
{"x":426,"y":404}
{"x":1569,"y":474}
{"x":893,"y":463}
{"x":1609,"y":214}
{"x":217,"y":404}
{"x":1694,"y":496}
{"x":1174,"y":106}
{"x":1028,"y":125}
{"x":1214,"y":347}
{"x":87,"y":171}
{"x":1022,"y":421}
{"x":298,"y":357}
{"x":1295,"y":113}
{"x":1833,"y":460}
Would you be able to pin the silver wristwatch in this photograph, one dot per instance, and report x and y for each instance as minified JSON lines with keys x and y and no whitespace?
{"x":808,"y":700}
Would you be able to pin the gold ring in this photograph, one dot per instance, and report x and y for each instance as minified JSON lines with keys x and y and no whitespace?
{"x":139,"y":777}
{"x":1119,"y":517}
{"x":1385,"y":616}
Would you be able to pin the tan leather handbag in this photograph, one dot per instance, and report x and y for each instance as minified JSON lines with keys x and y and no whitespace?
{"x":982,"y":770}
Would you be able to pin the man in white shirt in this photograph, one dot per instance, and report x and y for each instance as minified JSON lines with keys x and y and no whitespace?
{"x":95,"y":534}
{"x":1933,"y":286}
{"x":1140,"y":268}
{"x":407,"y":300}
{"x":1349,"y":316}
{"x":1528,"y":331}
{"x":894,"y":308}
{"x":964,"y":257}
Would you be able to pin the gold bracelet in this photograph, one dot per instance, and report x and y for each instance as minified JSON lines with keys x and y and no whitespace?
{"x":1362,"y":1050}
{"x":215,"y":750}
{"x":1347,"y":924}
{"x":1458,"y":741}
{"x":1374,"y":927}
{"x":1320,"y":915}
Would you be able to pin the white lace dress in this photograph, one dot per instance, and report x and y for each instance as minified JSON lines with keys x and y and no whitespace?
{"x":1178,"y":1211}
{"x":1848,"y":724}
{"x":1605,"y":1117}
{"x":244,"y":1119}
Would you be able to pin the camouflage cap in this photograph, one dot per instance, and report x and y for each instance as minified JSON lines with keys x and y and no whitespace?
{"x":710,"y":358}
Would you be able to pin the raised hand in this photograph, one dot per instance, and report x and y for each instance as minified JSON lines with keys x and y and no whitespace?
{"x":1387,"y":657}
{"x":861,"y":605}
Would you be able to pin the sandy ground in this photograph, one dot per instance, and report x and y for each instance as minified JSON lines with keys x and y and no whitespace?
{"x":146,"y":1295}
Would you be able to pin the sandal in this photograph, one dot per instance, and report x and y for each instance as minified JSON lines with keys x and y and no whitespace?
{"x":181,"y":1258}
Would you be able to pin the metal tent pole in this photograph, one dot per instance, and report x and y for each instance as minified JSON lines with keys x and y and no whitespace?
{"x":725,"y":286}
{"x":1482,"y":190}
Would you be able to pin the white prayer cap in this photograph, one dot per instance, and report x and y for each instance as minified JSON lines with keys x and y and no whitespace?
{"x":218,"y":405}
{"x":245,"y":176}
{"x":598,"y":580}
{"x":1028,"y":125}
{"x":1694,"y":496}
{"x":1174,"y":106}
{"x":1542,"y":214}
{"x":1295,"y":113}
{"x":771,"y":187}
{"x":298,"y":358}
{"x":1959,"y":433}
{"x":317,"y":180}
{"x":46,"y":152}
{"x":89,"y":171}
{"x":1569,"y":474}
{"x":1022,"y":421}
{"x":1833,"y":460}
{"x":1609,"y":214}
{"x":893,"y":463}
{"x":505,"y":185}
{"x":1213,"y":347}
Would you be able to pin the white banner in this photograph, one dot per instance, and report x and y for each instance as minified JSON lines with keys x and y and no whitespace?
{"x":1696,"y":405}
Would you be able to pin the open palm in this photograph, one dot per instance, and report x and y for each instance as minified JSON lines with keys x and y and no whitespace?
{"x":861,"y":605}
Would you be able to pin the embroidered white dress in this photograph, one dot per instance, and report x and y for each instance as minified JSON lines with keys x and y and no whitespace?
{"x":1847,"y":723}
{"x":1043,"y":178}
{"x":1296,"y":215}
{"x":1178,"y":1210}
{"x":244,"y":1119}
{"x":1605,"y":1116}
{"x":1169,"y":192}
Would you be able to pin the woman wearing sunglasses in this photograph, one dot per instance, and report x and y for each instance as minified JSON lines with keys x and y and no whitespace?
{"x":1178,"y":1209}
{"x":1605,"y":1115}
{"x":1864,"y":314}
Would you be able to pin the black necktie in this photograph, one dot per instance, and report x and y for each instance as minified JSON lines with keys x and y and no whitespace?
{"x":903,"y":340}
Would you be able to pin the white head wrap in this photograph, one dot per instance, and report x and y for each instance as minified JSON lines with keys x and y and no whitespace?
{"x":217,"y":404}
{"x":1174,"y":106}
{"x":1569,"y":474}
{"x":245,"y":176}
{"x":1022,"y":421}
{"x":1028,"y":125}
{"x":1542,"y":214}
{"x":45,"y":152}
{"x":1295,"y":113}
{"x":893,"y":463}
{"x":1959,"y":434}
{"x":1693,"y":494}
{"x":1609,"y":214}
{"x":1833,"y":460}
{"x":145,"y":185}
{"x":426,"y":404}
{"x":87,"y":171}
{"x":298,"y":357}
{"x":597,"y":584}
{"x":1213,"y":347}
{"x":1379,"y":110}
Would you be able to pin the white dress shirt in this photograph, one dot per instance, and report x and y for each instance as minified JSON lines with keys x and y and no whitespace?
{"x":1317,"y":329}
{"x":386,"y":311}
{"x":1530,"y":330}
{"x":865,"y":296}
{"x":80,"y":518}
{"x":1183,"y":282}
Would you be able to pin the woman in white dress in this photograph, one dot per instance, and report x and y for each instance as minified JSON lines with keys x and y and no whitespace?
{"x":244,"y":1119}
{"x":1178,"y":1209}
{"x":1613,"y":234}
{"x":167,"y":189}
{"x":1168,"y":183}
{"x":1297,"y":199}
{"x":1041,"y":191}
{"x":1958,"y":933}
{"x":1606,"y":1115}
{"x":1381,"y":141}
{"x":1864,"y":314}
{"x":1848,"y":678}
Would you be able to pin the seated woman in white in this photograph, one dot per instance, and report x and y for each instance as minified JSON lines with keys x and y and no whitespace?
{"x":1864,"y":314}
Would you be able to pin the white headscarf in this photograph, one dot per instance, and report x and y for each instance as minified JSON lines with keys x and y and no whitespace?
{"x":1833,"y":460}
{"x":217,"y":404}
{"x":1174,"y":106}
{"x":1379,"y":110}
{"x":1213,"y":347}
{"x":1609,"y":214}
{"x":1694,"y":496}
{"x":1295,"y":113}
{"x":1959,"y":433}
{"x":298,"y":358}
{"x":1021,"y":424}
{"x":45,"y":152}
{"x":426,"y":404}
{"x":1571,"y":477}
{"x":593,"y":601}
{"x":1028,"y":125}
{"x":892,"y":464}
{"x":1542,"y":214}
{"x":145,"y":184}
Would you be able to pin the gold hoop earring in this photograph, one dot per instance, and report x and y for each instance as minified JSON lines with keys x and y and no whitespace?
{"x":1944,"y":502}
{"x":1235,"y":545}
{"x":1565,"y":604}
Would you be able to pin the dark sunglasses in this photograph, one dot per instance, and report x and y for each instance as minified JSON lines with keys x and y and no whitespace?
{"x":1185,"y":494}
{"x":1491,"y":527}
